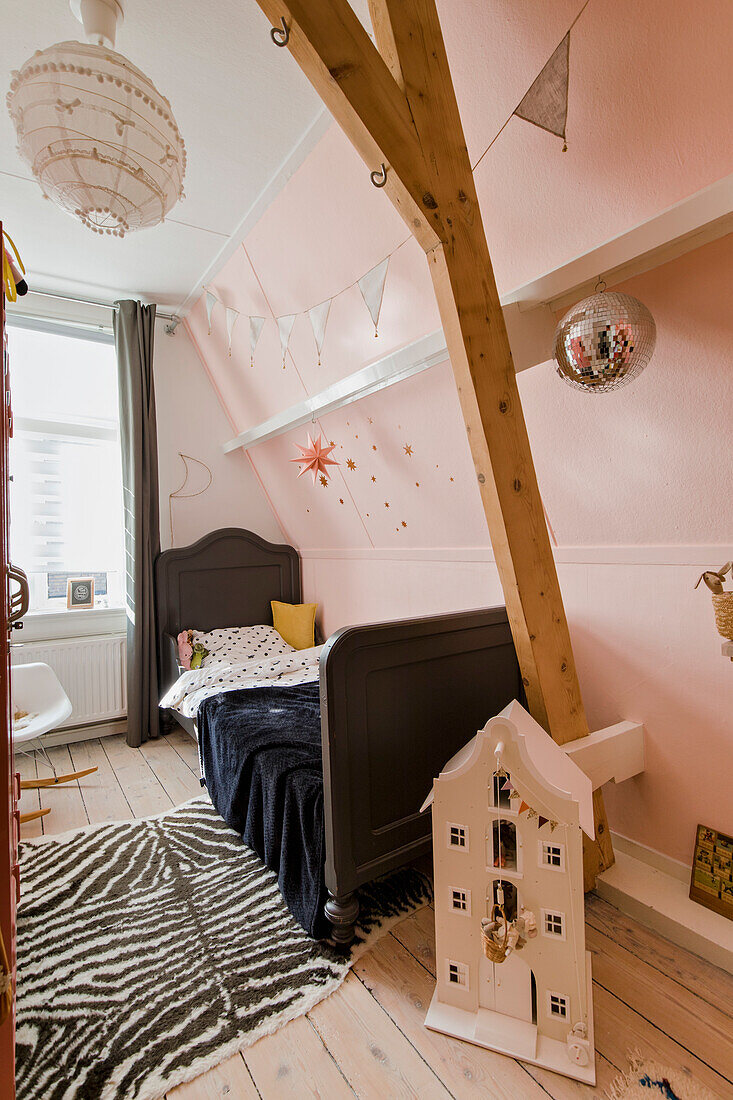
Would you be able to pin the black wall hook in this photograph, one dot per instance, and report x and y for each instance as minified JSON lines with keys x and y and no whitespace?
{"x":379,"y":178}
{"x":281,"y":35}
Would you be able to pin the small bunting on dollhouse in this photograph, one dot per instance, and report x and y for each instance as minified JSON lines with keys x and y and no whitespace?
{"x":541,"y":821}
{"x":553,"y":826}
{"x":523,"y":806}
{"x":531,"y":813}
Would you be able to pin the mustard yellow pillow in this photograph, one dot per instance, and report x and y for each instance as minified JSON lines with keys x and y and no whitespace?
{"x":295,"y":622}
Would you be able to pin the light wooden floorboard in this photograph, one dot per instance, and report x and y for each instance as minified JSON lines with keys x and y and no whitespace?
{"x":293,"y":1063}
{"x":368,"y":1039}
{"x":104,"y":798}
{"x":30,"y":800}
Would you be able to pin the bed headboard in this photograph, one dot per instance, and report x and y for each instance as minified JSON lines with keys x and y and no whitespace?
{"x":227,"y":578}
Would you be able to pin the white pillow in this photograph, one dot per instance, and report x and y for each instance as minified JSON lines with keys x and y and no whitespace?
{"x":235,"y":644}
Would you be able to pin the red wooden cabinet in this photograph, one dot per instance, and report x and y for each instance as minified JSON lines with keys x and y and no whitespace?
{"x":9,"y":783}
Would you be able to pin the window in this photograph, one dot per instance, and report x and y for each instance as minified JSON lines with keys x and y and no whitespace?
{"x":558,"y":1005}
{"x":552,"y":855}
{"x":553,"y":923}
{"x":499,"y":797}
{"x":457,"y":974}
{"x":66,"y":492}
{"x":457,"y":836}
{"x":510,"y":904}
{"x":504,"y":844}
{"x":460,"y":901}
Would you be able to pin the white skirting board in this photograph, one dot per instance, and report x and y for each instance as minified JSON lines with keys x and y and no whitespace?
{"x":516,"y":1038}
{"x":640,"y":886}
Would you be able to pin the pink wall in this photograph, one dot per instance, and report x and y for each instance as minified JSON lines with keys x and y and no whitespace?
{"x":632,"y":481}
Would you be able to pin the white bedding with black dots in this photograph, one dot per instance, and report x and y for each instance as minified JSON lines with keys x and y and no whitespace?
{"x":241,"y":657}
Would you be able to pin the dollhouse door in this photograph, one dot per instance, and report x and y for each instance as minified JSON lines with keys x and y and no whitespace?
{"x":506,"y":987}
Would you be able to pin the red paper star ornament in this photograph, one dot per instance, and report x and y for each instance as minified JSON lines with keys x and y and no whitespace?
{"x":314,"y":458}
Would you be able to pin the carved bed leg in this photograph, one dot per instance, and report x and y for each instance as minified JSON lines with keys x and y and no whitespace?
{"x":342,"y":913}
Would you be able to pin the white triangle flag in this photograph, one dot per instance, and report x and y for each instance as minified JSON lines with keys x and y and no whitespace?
{"x":319,"y":319}
{"x":371,"y":286}
{"x":546,"y":103}
{"x":285,"y":327}
{"x":255,"y":328}
{"x":211,"y":300}
{"x":231,"y":315}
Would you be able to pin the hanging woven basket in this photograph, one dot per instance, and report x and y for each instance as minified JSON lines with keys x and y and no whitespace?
{"x":723,"y":608}
{"x":495,"y":952}
{"x":722,"y":600}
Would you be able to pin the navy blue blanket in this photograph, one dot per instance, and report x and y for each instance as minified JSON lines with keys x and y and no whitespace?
{"x":261,"y":752}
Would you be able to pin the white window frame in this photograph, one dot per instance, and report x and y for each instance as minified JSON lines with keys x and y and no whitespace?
{"x":556,"y":1015}
{"x":552,"y":913}
{"x":463,"y":973}
{"x":551,"y":844}
{"x":455,"y":908}
{"x":449,"y":825}
{"x":504,"y":872}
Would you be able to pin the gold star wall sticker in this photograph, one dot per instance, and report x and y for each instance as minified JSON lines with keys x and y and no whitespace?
{"x":350,"y":463}
{"x":404,"y":524}
{"x":386,"y":504}
{"x":323,"y":480}
{"x":370,"y":420}
{"x":373,"y":478}
{"x":408,"y":449}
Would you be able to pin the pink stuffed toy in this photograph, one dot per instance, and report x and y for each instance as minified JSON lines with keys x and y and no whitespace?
{"x":185,"y":648}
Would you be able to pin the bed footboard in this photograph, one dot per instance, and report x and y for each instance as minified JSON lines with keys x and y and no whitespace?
{"x":397,"y":700}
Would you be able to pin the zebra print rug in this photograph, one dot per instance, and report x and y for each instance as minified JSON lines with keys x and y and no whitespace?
{"x":149,"y":951}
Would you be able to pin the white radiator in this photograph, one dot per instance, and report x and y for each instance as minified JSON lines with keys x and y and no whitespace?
{"x":92,"y":671}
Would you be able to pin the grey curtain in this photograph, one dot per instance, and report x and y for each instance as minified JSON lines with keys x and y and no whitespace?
{"x":134,"y":327}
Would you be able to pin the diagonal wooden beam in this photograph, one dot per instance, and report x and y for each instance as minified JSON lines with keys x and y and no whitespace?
{"x":404,"y":102}
{"x":408,"y":34}
{"x":336,"y":54}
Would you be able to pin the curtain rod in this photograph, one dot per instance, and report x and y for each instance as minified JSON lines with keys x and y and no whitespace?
{"x":172,"y":318}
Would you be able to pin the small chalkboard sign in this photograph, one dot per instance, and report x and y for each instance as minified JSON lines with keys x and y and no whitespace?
{"x":712,"y":871}
{"x":79,"y":593}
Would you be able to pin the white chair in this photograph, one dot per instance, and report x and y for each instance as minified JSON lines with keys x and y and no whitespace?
{"x":37,"y":691}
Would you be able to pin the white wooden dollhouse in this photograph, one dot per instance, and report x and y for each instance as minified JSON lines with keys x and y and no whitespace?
{"x":509,"y":811}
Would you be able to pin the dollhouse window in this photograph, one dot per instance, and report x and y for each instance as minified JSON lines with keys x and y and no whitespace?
{"x":457,"y":836}
{"x":553,"y":924}
{"x":458,"y":974}
{"x":504,"y":844}
{"x":552,"y":855}
{"x":510,"y":904}
{"x":559,"y":1005}
{"x":500,"y":798}
{"x":460,"y":901}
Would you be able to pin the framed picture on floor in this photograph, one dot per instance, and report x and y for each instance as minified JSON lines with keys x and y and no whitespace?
{"x":79,"y":593}
{"x":712,"y":871}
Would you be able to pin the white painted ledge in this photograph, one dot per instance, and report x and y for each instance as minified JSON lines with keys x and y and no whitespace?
{"x":616,"y":753}
{"x":661,"y":902}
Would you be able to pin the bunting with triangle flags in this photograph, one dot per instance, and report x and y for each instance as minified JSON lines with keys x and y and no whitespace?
{"x":546,"y":103}
{"x":231,"y":318}
{"x":285,"y":327}
{"x":371,"y":286}
{"x":319,"y":319}
{"x":211,"y":300}
{"x":255,"y":328}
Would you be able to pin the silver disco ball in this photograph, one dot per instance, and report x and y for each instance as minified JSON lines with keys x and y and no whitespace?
{"x":604,"y":342}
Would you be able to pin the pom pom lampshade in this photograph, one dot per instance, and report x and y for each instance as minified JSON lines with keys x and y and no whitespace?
{"x":604,"y":342}
{"x":97,"y":134}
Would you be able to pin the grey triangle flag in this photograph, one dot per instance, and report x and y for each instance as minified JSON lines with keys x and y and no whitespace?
{"x":546,"y":103}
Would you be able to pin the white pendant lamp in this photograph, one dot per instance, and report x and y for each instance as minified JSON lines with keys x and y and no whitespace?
{"x":96,"y":133}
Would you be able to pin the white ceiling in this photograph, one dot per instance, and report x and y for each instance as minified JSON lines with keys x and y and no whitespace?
{"x":247,"y":115}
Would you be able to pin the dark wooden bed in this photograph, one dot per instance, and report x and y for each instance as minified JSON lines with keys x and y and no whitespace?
{"x":397,"y":698}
